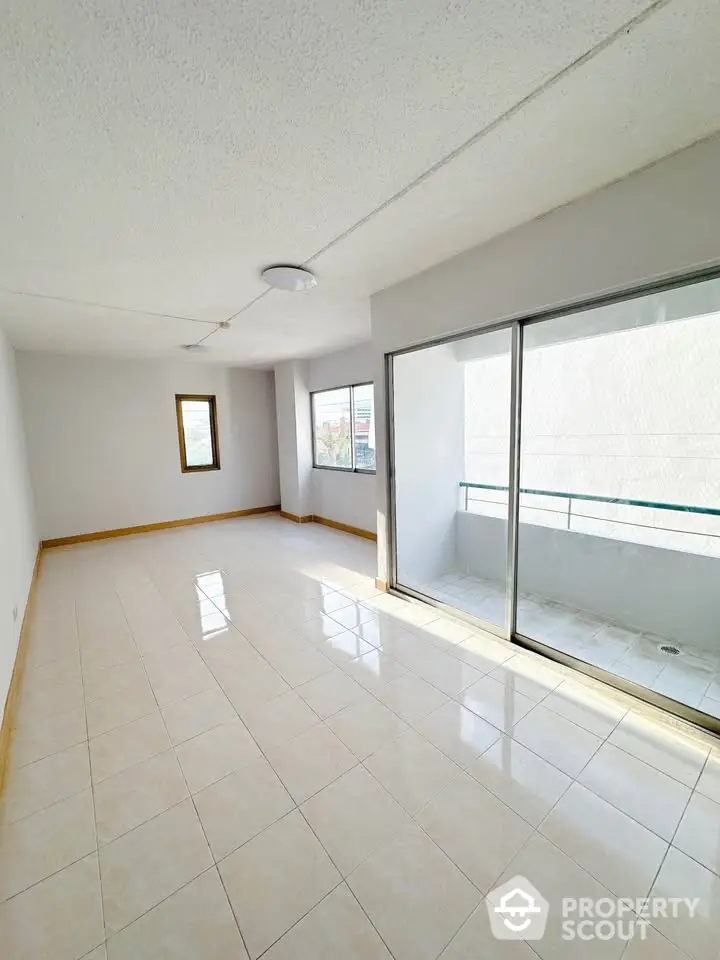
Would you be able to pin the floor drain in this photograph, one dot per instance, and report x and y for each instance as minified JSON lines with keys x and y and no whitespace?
{"x":670,"y":649}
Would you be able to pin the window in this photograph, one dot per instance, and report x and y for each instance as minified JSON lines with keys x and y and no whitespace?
{"x":197,"y":433}
{"x":344,"y":428}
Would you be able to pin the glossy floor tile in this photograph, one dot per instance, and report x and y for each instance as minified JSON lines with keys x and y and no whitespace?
{"x":336,"y":927}
{"x":230,"y":744}
{"x":614,"y":848}
{"x":414,"y":895}
{"x":520,"y":778}
{"x":275,"y":879}
{"x":197,"y":921}
{"x":476,"y":830}
{"x":353,"y":816}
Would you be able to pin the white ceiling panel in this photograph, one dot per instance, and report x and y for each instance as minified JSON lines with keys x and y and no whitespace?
{"x":62,"y":327}
{"x":653,"y":91}
{"x":161,"y":154}
{"x":158,"y":156}
{"x":284,"y":325}
{"x":281,"y":325}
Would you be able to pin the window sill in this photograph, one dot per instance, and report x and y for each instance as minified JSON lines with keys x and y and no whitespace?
{"x":320,"y":466}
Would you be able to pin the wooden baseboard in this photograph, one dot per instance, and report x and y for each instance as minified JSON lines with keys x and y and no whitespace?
{"x":295,"y":518}
{"x":13,"y":697}
{"x":150,"y":527}
{"x":335,"y":524}
{"x":346,"y":528}
{"x":381,"y":584}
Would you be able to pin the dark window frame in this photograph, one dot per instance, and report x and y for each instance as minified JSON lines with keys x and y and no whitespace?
{"x":353,"y":468}
{"x":211,"y":400}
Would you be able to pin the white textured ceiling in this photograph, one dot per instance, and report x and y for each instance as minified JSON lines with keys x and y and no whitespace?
{"x":157,"y":156}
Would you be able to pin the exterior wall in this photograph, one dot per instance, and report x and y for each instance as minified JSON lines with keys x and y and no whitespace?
{"x":18,"y":534}
{"x":103,"y":443}
{"x":659,"y":222}
{"x":635,"y":414}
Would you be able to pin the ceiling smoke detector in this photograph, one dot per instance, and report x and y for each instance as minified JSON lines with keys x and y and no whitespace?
{"x":286,"y":277}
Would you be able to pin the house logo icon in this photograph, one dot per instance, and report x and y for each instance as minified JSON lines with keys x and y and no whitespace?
{"x":517,"y":911}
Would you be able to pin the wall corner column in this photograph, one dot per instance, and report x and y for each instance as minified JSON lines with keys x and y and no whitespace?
{"x":292,"y":400}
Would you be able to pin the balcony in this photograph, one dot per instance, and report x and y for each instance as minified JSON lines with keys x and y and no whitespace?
{"x":632,"y":599}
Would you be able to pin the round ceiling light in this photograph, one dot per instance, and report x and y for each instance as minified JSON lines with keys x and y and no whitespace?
{"x":286,"y":277}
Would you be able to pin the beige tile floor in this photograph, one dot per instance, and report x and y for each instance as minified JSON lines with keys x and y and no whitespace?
{"x":230,"y":745}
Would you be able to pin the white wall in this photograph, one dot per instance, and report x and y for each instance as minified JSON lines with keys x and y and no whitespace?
{"x":339,"y":369}
{"x":344,"y":497}
{"x":18,"y":535}
{"x":429,"y":454}
{"x":103,"y":443}
{"x":658,"y":222}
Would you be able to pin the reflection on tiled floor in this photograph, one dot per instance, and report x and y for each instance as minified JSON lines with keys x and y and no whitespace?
{"x":230,"y":745}
{"x":692,"y":676}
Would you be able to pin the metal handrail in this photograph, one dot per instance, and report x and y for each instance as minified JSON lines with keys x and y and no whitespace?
{"x":655,"y":505}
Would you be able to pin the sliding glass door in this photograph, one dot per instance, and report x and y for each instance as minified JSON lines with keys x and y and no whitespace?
{"x":619,"y":543}
{"x":615,"y":514}
{"x":451,"y":410}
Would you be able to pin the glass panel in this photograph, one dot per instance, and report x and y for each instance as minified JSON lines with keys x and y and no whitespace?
{"x":198,"y":433}
{"x":451,"y":430}
{"x":364,"y":426}
{"x":331,"y":424}
{"x":619,"y":537}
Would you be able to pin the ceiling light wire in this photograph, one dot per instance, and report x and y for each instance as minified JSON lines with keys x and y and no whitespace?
{"x":103,"y":306}
{"x":219,"y":326}
{"x":207,"y":336}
